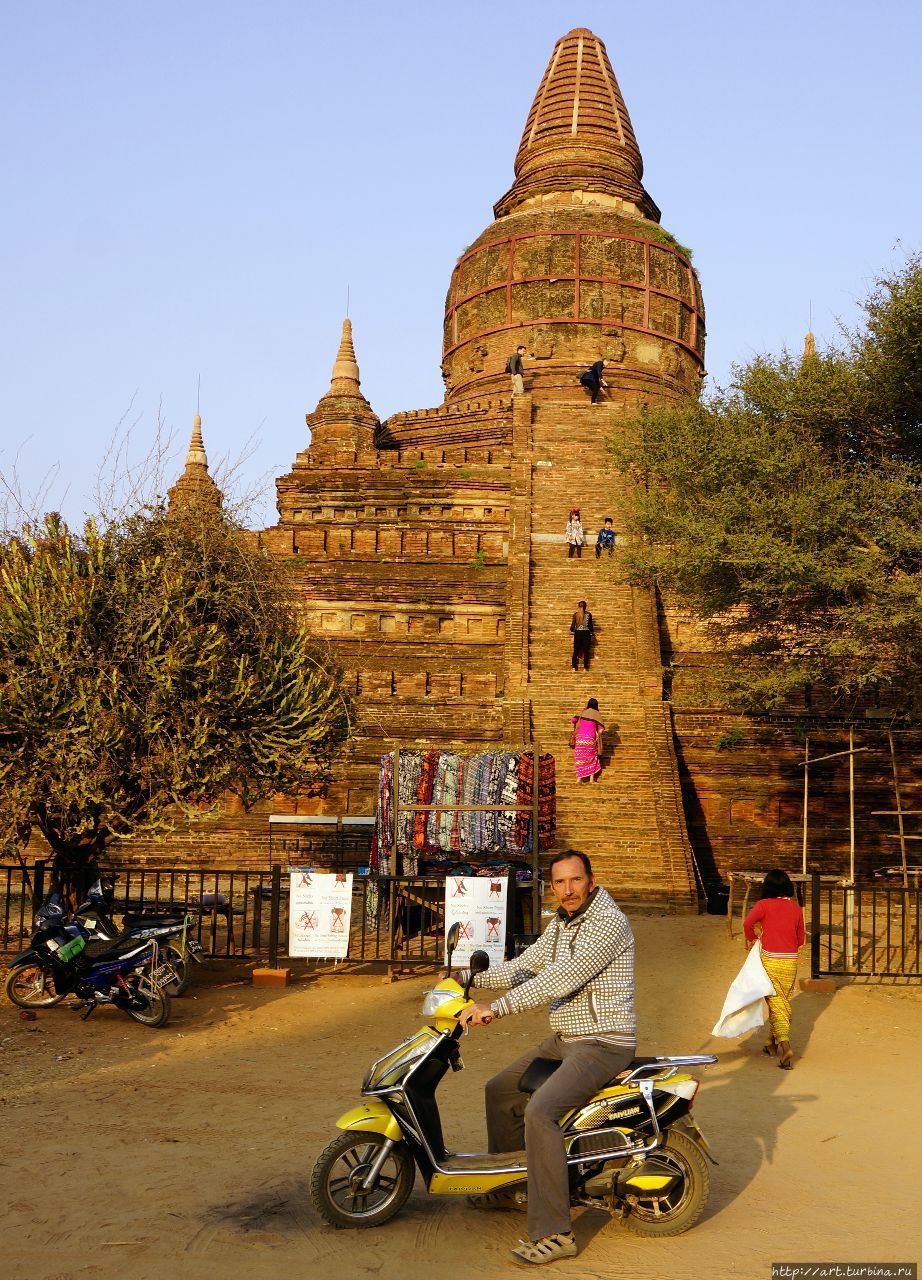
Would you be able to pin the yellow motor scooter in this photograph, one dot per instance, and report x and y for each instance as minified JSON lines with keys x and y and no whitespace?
{"x":632,"y":1149}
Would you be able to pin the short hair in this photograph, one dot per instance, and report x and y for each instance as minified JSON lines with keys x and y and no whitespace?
{"x":608,"y":520}
{"x":777,"y":884}
{"x":569,"y":853}
{"x":594,"y":703}
{"x":521,"y":347}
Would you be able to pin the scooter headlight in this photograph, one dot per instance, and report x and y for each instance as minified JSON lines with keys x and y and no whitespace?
{"x":434,"y":999}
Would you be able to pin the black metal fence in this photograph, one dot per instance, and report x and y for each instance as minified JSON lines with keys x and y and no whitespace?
{"x":245,"y":914}
{"x":865,"y":930}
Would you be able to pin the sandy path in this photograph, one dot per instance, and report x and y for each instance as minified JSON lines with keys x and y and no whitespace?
{"x":128,"y":1153}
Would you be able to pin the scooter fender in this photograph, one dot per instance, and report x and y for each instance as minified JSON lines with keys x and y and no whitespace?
{"x":372,"y":1117}
{"x":29,"y":956}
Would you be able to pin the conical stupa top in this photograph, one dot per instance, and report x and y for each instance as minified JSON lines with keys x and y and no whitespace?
{"x":197,"y":452}
{"x":196,"y":485}
{"x":578,"y":135}
{"x":809,"y":345}
{"x":345,"y":366}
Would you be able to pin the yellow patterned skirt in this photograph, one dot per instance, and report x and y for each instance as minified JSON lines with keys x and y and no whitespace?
{"x":783,"y":974}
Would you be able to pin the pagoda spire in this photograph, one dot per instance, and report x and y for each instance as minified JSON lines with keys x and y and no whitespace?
{"x":578,"y":136}
{"x":196,"y":485}
{"x":344,"y":421}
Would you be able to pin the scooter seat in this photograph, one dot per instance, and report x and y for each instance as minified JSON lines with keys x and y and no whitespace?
{"x":541,"y":1069}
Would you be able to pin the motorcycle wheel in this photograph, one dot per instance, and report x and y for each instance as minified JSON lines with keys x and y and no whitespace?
{"x":156,"y":1011}
{"x":336,"y":1183}
{"x":176,"y":958}
{"x":683,"y":1208}
{"x":31,"y":987}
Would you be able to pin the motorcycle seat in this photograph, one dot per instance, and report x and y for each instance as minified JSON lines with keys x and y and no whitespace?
{"x":111,"y":950}
{"x":134,"y":921}
{"x":541,"y":1069}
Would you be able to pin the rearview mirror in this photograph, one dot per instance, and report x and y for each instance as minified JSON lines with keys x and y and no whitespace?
{"x":478,"y":963}
{"x":451,"y":941}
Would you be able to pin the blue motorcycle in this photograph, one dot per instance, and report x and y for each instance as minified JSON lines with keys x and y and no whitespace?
{"x":62,"y":961}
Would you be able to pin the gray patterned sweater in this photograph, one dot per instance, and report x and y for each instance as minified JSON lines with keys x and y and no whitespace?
{"x":583,"y":966}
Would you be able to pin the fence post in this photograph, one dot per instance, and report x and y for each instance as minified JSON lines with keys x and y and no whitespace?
{"x":815,"y":925}
{"x":38,"y":884}
{"x":275,"y":901}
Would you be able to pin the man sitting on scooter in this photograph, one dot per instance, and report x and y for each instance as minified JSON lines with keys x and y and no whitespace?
{"x":583,"y":967}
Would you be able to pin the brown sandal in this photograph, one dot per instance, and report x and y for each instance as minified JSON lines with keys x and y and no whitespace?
{"x":787,"y":1061}
{"x":770,"y":1049}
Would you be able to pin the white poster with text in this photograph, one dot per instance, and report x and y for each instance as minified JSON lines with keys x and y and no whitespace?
{"x":478,"y":905}
{"x":320,"y":910}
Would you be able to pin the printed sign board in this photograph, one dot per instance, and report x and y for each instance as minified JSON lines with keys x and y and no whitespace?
{"x":478,"y":905}
{"x":320,"y":911}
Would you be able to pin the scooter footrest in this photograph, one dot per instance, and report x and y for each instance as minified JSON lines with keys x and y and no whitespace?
{"x":485,"y":1163}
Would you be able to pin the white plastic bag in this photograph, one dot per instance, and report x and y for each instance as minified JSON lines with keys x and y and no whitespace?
{"x":744,"y":1007}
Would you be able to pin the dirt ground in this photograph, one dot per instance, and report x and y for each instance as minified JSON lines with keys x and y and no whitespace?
{"x":130,"y":1154}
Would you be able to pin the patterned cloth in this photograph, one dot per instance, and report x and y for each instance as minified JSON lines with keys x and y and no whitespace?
{"x":783,"y":974}
{"x":442,"y":777}
{"x":585,"y":753}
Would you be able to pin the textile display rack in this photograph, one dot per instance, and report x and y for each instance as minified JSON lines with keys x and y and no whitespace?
{"x":516,"y":829}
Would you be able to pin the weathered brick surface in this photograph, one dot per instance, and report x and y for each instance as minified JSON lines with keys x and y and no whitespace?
{"x":428,"y":549}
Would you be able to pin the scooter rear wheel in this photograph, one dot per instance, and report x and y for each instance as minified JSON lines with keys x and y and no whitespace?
{"x":155,"y":1011}
{"x":674,"y":1214}
{"x":336,"y":1183}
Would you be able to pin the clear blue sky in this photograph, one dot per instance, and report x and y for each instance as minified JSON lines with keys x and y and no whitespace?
{"x":191,"y":187}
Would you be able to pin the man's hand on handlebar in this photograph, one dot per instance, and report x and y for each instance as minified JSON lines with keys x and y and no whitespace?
{"x":476,"y":1015}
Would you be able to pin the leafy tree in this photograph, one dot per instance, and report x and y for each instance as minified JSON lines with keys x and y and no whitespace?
{"x":786,"y":511}
{"x":146,"y":670}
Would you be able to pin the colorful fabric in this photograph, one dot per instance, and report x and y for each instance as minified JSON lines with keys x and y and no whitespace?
{"x":783,"y":974}
{"x":424,"y":790}
{"x":380,"y":860}
{"x":585,"y":751}
{"x":547,"y":801}
{"x":505,"y":825}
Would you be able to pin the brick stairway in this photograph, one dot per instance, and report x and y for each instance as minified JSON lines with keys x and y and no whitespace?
{"x":631,"y":822}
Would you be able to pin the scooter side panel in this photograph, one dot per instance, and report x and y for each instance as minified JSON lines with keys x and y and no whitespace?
{"x":372,"y":1117}
{"x":469,"y":1184}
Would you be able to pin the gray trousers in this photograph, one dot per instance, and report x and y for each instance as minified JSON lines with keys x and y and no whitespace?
{"x":515,"y":1119}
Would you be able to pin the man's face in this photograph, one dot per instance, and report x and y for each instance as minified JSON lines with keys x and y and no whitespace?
{"x":571,"y":885}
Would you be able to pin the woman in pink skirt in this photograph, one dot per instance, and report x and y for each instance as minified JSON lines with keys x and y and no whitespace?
{"x":586,"y":741}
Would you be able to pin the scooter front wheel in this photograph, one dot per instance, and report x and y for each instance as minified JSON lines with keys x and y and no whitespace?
{"x":337,"y":1183}
{"x":31,"y":987}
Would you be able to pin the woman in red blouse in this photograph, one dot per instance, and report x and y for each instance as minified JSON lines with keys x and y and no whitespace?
{"x":778,"y":922}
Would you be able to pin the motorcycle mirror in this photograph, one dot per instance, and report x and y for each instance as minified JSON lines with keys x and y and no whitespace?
{"x":478,"y":963}
{"x":451,"y":942}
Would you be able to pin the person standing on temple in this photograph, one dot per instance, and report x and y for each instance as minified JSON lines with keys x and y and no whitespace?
{"x":586,"y":742}
{"x":515,"y":366}
{"x":606,"y":539}
{"x":575,"y":535}
{"x":593,"y":381}
{"x":581,"y":626}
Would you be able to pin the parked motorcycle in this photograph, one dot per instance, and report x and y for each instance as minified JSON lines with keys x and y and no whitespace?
{"x":632,"y":1149}
{"x":62,"y":960}
{"x":177,"y":947}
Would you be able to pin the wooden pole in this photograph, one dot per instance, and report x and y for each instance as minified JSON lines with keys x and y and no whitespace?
{"x":803,"y":867}
{"x":851,"y":805}
{"x":899,"y":809}
{"x":850,"y":892}
{"x":535,"y":849}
